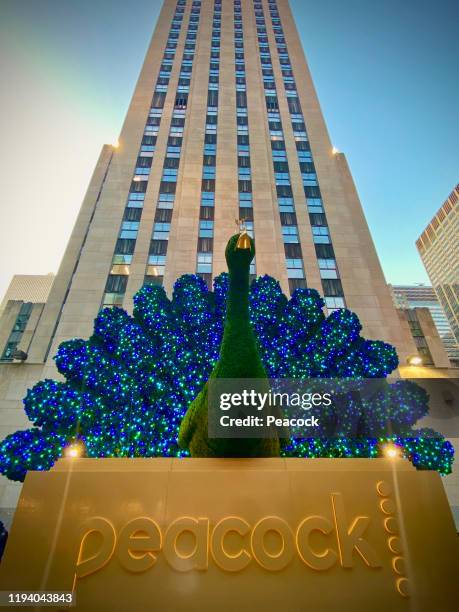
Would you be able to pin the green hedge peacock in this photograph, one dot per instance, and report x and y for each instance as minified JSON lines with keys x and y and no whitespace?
{"x":239,"y":358}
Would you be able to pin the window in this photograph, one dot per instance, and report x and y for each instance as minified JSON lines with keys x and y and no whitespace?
{"x":244,"y":173}
{"x":290,"y":233}
{"x":204,"y":264}
{"x":309,"y":179}
{"x":113,"y":299}
{"x":332,"y":287}
{"x":295,"y":268}
{"x":245,"y":200}
{"x":129,"y":229}
{"x":315,"y":205}
{"x":286,"y":205}
{"x":161,"y":231}
{"x":332,"y":303}
{"x":327,"y":268}
{"x":166,"y":200}
{"x":116,"y":283}
{"x":121,"y":259}
{"x":320,"y":235}
{"x":208,"y":172}
{"x":207,"y":198}
{"x":206,"y":229}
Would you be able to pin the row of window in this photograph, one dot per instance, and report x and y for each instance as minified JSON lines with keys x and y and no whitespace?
{"x":331,"y":284}
{"x":294,"y":265}
{"x":206,"y":211}
{"x":124,"y":249}
{"x":242,"y":122}
{"x":16,"y":333}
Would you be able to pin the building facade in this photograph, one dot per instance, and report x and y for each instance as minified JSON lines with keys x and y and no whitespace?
{"x":438,"y":247}
{"x":408,"y":297}
{"x":224,"y":127}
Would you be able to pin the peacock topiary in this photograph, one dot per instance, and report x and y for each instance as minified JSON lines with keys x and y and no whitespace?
{"x":239,"y":358}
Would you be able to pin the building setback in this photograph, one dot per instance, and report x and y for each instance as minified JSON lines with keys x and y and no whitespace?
{"x":421,"y":296}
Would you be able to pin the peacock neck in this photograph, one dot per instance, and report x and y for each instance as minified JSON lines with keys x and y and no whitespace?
{"x":238,"y":295}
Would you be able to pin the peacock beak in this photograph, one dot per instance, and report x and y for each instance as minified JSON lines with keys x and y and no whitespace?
{"x":243,"y":242}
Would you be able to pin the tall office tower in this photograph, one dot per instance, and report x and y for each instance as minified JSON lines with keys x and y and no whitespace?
{"x":224,"y":124}
{"x":421,"y":296}
{"x":438,"y":247}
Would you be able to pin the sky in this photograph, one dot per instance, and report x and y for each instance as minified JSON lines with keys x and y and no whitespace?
{"x":385,"y":72}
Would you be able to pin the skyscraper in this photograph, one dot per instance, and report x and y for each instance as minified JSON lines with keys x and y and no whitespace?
{"x":224,"y":125}
{"x":438,"y":247}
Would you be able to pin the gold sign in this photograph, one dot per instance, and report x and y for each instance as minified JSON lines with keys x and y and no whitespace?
{"x":229,"y":534}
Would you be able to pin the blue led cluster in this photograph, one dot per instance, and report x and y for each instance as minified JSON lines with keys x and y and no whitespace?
{"x":127,"y":388}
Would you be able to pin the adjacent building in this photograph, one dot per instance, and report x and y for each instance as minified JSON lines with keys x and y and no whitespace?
{"x":410,"y":297}
{"x":20,"y":313}
{"x":438,"y":247}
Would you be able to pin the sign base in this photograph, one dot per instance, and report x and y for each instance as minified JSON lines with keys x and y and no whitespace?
{"x":236,"y":534}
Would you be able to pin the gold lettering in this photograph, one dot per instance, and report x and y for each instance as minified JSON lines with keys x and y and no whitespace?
{"x":198,"y":557}
{"x":316,"y":560}
{"x":225,"y":560}
{"x":141,"y":535}
{"x":270,"y":561}
{"x":96,"y":561}
{"x":350,"y":538}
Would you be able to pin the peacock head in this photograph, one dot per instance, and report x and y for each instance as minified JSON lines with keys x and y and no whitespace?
{"x":240,"y":251}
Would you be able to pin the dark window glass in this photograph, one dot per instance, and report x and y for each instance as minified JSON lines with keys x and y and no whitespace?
{"x":317,"y":219}
{"x":307,"y":167}
{"x":296,"y":283}
{"x":208,"y":185}
{"x":163,"y":215}
{"x":205,"y":245}
{"x":206,"y":212}
{"x":171,"y":162}
{"x":167,"y":187}
{"x":158,"y":247}
{"x":158,"y":99}
{"x":174,"y":141}
{"x":302,"y":145}
{"x":312,"y":192}
{"x":284,"y":191}
{"x":125,"y":246}
{"x":324,"y":251}
{"x":132,"y":214}
{"x":241,"y":99}
{"x":138,"y":186}
{"x":332,"y":287}
{"x":212,"y":98}
{"x":288,"y":218}
{"x":292,"y":251}
{"x":246,"y":214}
{"x":294,"y":105}
{"x":245,"y":186}
{"x":280,"y":166}
{"x":116,"y":283}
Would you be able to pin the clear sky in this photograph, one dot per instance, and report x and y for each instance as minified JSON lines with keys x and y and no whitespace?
{"x":386,"y":73}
